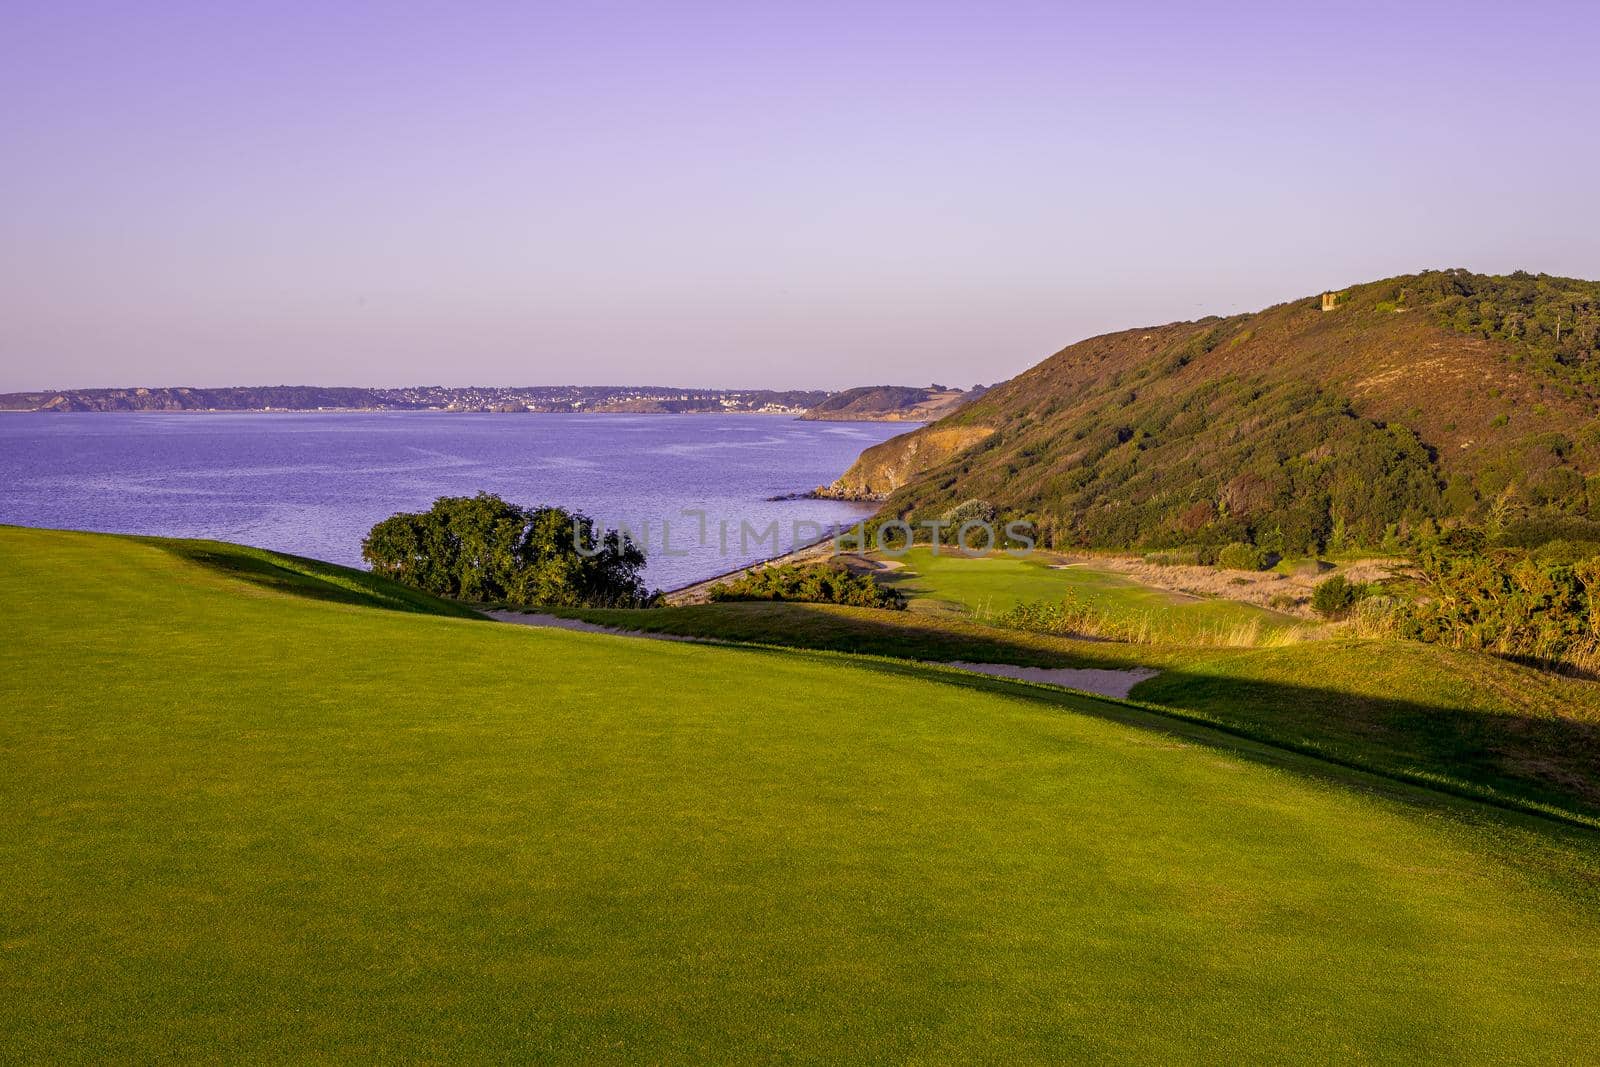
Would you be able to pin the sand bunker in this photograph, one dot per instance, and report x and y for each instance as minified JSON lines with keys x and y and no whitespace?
{"x":1104,"y":682}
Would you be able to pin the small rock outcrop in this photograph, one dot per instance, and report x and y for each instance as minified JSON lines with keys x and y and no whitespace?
{"x":883,"y":468}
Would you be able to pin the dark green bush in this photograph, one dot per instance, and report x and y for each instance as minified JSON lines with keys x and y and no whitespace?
{"x":1537,"y":530}
{"x":1509,"y":603}
{"x":823,"y":583}
{"x":1177,"y":557}
{"x":1242,"y":557}
{"x":1553,"y":323}
{"x":1335,"y":597}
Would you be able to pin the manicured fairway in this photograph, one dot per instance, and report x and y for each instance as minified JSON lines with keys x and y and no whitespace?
{"x":1468,"y":722}
{"x":987,"y":586}
{"x":237,"y":822}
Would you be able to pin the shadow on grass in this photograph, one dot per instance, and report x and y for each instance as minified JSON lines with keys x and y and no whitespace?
{"x":865,"y":631}
{"x":1547,"y":764}
{"x":309,"y":578}
{"x":1436,"y":749}
{"x":1554,"y":666}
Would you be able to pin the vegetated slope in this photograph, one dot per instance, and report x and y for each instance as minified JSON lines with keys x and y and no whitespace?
{"x":236,"y":823}
{"x":892,"y":403}
{"x":1431,"y":396}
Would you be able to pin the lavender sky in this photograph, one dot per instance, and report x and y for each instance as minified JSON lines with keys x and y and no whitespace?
{"x":749,"y":194}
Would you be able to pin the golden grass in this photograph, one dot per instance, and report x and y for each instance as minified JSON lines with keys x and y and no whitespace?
{"x":1076,"y":618}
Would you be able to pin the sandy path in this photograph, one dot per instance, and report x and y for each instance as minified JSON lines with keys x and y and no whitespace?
{"x":1101,"y":682}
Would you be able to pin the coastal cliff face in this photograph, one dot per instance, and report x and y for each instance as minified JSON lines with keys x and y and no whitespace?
{"x":886,"y":467}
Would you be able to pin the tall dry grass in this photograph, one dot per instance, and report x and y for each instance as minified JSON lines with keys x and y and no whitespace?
{"x":1078,"y":618}
{"x":1376,"y":616}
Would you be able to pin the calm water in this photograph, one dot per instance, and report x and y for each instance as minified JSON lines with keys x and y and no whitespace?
{"x":313,"y":484}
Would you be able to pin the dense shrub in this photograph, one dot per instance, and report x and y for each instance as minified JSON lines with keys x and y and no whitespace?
{"x":969,"y":511}
{"x":1335,"y":596}
{"x":823,"y":583}
{"x":1571,"y":552}
{"x":1509,"y":603}
{"x":1231,"y":459}
{"x":1242,"y":557}
{"x":1176,"y":557}
{"x":485,"y":550}
{"x":1537,"y":530}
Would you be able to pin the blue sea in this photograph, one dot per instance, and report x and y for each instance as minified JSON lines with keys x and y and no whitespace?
{"x":313,"y":484}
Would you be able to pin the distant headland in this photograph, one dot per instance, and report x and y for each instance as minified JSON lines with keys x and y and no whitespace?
{"x":872,"y":403}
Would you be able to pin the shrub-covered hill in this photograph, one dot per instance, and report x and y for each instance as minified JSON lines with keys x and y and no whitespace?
{"x":1427,"y":397}
{"x":891,"y":403}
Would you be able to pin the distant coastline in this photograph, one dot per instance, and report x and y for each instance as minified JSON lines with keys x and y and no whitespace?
{"x":871,"y":404}
{"x":413,"y":411}
{"x":551,"y":399}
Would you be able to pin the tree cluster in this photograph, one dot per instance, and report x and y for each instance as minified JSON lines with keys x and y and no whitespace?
{"x":1553,"y":323}
{"x":485,"y":550}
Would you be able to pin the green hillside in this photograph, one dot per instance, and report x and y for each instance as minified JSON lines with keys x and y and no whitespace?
{"x":239,"y":822}
{"x":1436,"y":396}
{"x":890,"y":403}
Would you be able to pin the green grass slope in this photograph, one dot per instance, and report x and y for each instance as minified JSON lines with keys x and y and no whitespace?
{"x":299,"y":576}
{"x":1471,"y":723}
{"x":1436,"y":395}
{"x":1465,"y":721}
{"x":237,"y":822}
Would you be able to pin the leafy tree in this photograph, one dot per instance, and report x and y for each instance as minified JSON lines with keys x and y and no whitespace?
{"x":483,"y":549}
